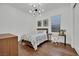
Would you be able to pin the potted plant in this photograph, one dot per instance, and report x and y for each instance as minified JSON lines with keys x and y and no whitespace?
{"x":61,"y":32}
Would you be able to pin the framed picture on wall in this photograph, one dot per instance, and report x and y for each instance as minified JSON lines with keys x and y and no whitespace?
{"x":45,"y":22}
{"x":55,"y":23}
{"x":39,"y":23}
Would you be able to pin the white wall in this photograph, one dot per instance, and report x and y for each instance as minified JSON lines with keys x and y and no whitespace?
{"x":15,"y":21}
{"x":66,"y":20}
{"x":76,"y":28}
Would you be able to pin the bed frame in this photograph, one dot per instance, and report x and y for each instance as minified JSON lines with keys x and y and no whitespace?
{"x":46,"y":31}
{"x":29,"y":43}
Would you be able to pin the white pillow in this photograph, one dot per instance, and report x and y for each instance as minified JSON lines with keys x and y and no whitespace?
{"x":41,"y":31}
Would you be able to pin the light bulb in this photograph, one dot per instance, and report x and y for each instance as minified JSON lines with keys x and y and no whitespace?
{"x":34,"y":5}
{"x":30,"y":11}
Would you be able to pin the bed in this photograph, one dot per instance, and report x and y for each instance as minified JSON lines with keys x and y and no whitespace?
{"x":35,"y":39}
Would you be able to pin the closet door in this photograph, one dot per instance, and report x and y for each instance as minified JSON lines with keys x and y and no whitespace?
{"x":76,"y":27}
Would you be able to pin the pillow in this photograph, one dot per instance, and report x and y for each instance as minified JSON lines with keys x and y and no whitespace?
{"x":41,"y":31}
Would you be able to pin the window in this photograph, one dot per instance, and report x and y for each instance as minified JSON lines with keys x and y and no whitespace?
{"x":55,"y":23}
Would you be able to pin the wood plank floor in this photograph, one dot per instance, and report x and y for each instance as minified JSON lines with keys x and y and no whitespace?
{"x":47,"y":49}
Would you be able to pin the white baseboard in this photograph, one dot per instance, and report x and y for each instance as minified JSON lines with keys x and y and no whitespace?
{"x":77,"y":50}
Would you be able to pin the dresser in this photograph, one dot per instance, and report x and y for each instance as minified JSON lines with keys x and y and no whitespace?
{"x":8,"y":45}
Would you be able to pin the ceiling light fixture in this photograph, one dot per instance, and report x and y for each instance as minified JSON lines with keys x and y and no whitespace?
{"x":36,"y":9}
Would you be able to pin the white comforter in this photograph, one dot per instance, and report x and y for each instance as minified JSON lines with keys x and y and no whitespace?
{"x":35,"y":38}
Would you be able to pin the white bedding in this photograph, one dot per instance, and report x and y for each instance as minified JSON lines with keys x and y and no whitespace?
{"x":35,"y":38}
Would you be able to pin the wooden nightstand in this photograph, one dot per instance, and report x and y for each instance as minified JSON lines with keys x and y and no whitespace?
{"x":8,"y":45}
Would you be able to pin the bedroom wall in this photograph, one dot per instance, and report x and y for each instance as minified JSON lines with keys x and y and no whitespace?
{"x":66,"y":20}
{"x":76,"y":28}
{"x":14,"y":21}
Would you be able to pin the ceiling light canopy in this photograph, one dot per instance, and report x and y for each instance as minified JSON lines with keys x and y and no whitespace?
{"x":36,"y":9}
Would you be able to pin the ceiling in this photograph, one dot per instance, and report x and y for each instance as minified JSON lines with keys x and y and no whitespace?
{"x":46,"y":6}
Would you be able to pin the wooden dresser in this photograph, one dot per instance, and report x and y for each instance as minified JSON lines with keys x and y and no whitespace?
{"x":8,"y":45}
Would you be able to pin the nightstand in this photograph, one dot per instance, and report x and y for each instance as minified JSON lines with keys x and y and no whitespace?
{"x":64,"y":38}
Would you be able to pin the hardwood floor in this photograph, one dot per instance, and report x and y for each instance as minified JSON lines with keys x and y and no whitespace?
{"x":48,"y":49}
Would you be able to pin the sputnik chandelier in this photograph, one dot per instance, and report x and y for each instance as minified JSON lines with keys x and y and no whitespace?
{"x":36,"y":9}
